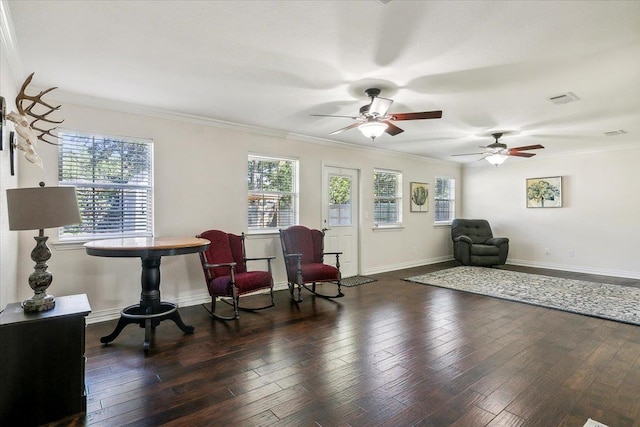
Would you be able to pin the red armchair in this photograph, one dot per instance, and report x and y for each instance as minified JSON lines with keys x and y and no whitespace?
{"x":303,"y":251}
{"x":225,"y":270}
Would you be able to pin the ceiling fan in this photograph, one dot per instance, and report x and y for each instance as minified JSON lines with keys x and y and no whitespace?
{"x":498,"y":152}
{"x":374,"y":119}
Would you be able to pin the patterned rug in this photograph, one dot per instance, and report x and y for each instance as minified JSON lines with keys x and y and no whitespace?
{"x":593,"y":423}
{"x":613,"y":302}
{"x":356,"y":280}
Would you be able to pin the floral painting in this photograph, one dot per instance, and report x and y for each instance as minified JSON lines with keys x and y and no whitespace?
{"x":544,"y":192}
{"x":419,"y":197}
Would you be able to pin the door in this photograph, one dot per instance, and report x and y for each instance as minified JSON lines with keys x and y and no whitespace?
{"x":340,"y":217}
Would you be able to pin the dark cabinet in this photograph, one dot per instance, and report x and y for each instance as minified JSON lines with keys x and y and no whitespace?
{"x":42,"y":362}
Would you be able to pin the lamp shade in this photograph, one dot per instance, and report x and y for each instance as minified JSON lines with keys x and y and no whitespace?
{"x":42,"y":207}
{"x":373,"y":129}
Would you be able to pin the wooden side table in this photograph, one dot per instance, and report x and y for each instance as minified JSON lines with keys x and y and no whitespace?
{"x":151,"y":310}
{"x":42,"y":362}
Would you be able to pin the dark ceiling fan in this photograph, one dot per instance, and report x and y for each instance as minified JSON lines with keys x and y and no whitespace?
{"x":497,"y":152}
{"x":374,"y":118}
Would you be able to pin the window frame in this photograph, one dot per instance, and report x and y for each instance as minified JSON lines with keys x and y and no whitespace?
{"x":294,"y":193}
{"x":441,"y":198}
{"x":398,"y":198}
{"x":83,"y":182}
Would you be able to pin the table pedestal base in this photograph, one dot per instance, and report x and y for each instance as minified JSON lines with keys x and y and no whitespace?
{"x":147,"y":320}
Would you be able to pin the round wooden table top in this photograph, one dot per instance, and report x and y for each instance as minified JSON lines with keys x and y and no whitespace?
{"x":141,"y":246}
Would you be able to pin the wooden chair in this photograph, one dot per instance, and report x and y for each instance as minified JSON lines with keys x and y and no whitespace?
{"x":303,"y":251}
{"x":225,"y":270}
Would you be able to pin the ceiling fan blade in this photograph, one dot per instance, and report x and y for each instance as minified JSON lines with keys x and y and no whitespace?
{"x":528,"y":147}
{"x":331,"y":115}
{"x":467,"y":154}
{"x":354,"y":125}
{"x":392,"y":129}
{"x":380,"y":106}
{"x":417,"y":116}
{"x":519,"y":154}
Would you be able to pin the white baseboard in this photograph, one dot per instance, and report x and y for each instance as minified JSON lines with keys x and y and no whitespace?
{"x":202,"y":298}
{"x":402,"y":266}
{"x":576,"y":269}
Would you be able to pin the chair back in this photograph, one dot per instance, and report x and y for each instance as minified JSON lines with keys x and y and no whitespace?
{"x":299,"y":239}
{"x":224,"y":248}
{"x":478,"y":230}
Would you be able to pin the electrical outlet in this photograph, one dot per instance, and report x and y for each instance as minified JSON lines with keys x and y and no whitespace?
{"x":572,"y":253}
{"x":547,"y":251}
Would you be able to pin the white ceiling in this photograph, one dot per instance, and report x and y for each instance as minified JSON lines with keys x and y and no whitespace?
{"x":488,"y":65}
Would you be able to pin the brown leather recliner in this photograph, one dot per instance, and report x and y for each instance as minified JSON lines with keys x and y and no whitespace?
{"x":474,"y":244}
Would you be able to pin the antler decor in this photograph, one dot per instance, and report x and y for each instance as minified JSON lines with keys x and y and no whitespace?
{"x":29,"y":133}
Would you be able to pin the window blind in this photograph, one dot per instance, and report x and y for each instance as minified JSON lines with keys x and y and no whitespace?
{"x":445,"y":200}
{"x":387,"y":188}
{"x":272,"y":192}
{"x":113,"y":177}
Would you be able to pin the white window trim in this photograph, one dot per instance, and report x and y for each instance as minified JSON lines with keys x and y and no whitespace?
{"x":65,"y":243}
{"x":295,"y":192}
{"x":391,"y":225}
{"x":453,"y":212}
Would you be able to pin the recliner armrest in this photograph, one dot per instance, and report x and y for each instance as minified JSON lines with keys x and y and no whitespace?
{"x":497,"y":241}
{"x":465,"y":239}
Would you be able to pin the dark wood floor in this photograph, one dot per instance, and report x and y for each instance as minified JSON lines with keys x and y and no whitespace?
{"x":390,"y":353}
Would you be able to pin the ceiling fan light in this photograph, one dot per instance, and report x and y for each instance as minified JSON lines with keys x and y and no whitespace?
{"x":373,"y":129}
{"x":496,"y":159}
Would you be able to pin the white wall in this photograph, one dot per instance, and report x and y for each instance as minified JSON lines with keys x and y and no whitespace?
{"x":8,"y":239}
{"x":200,"y":183}
{"x":598,"y":221}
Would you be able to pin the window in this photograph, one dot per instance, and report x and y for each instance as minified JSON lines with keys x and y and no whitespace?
{"x":445,"y":200}
{"x":113,"y":179}
{"x":340,"y":206}
{"x":273,"y":193}
{"x":387,"y":198}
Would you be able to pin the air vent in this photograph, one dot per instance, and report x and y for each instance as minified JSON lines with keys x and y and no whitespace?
{"x":564,"y":99}
{"x":615,"y":132}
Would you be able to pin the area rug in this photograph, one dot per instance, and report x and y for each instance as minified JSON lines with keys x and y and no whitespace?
{"x":593,"y":423}
{"x":613,"y":302}
{"x":356,"y":280}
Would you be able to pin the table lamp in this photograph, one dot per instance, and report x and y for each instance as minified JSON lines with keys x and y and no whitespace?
{"x":36,"y":209}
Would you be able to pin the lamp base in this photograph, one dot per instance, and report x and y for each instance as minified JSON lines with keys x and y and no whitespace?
{"x":42,"y":302}
{"x":40,"y":279}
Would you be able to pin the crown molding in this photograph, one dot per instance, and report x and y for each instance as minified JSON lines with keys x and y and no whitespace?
{"x":9,"y":43}
{"x":62,"y":97}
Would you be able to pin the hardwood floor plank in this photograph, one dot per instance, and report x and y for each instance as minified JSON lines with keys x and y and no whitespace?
{"x":421,"y":355}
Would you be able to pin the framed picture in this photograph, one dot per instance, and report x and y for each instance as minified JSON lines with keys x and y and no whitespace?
{"x":419,"y":197}
{"x":544,"y":192}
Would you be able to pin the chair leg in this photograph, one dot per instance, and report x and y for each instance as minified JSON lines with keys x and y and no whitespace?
{"x":235,"y":306}
{"x":292,"y":291}
{"x":340,"y":294}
